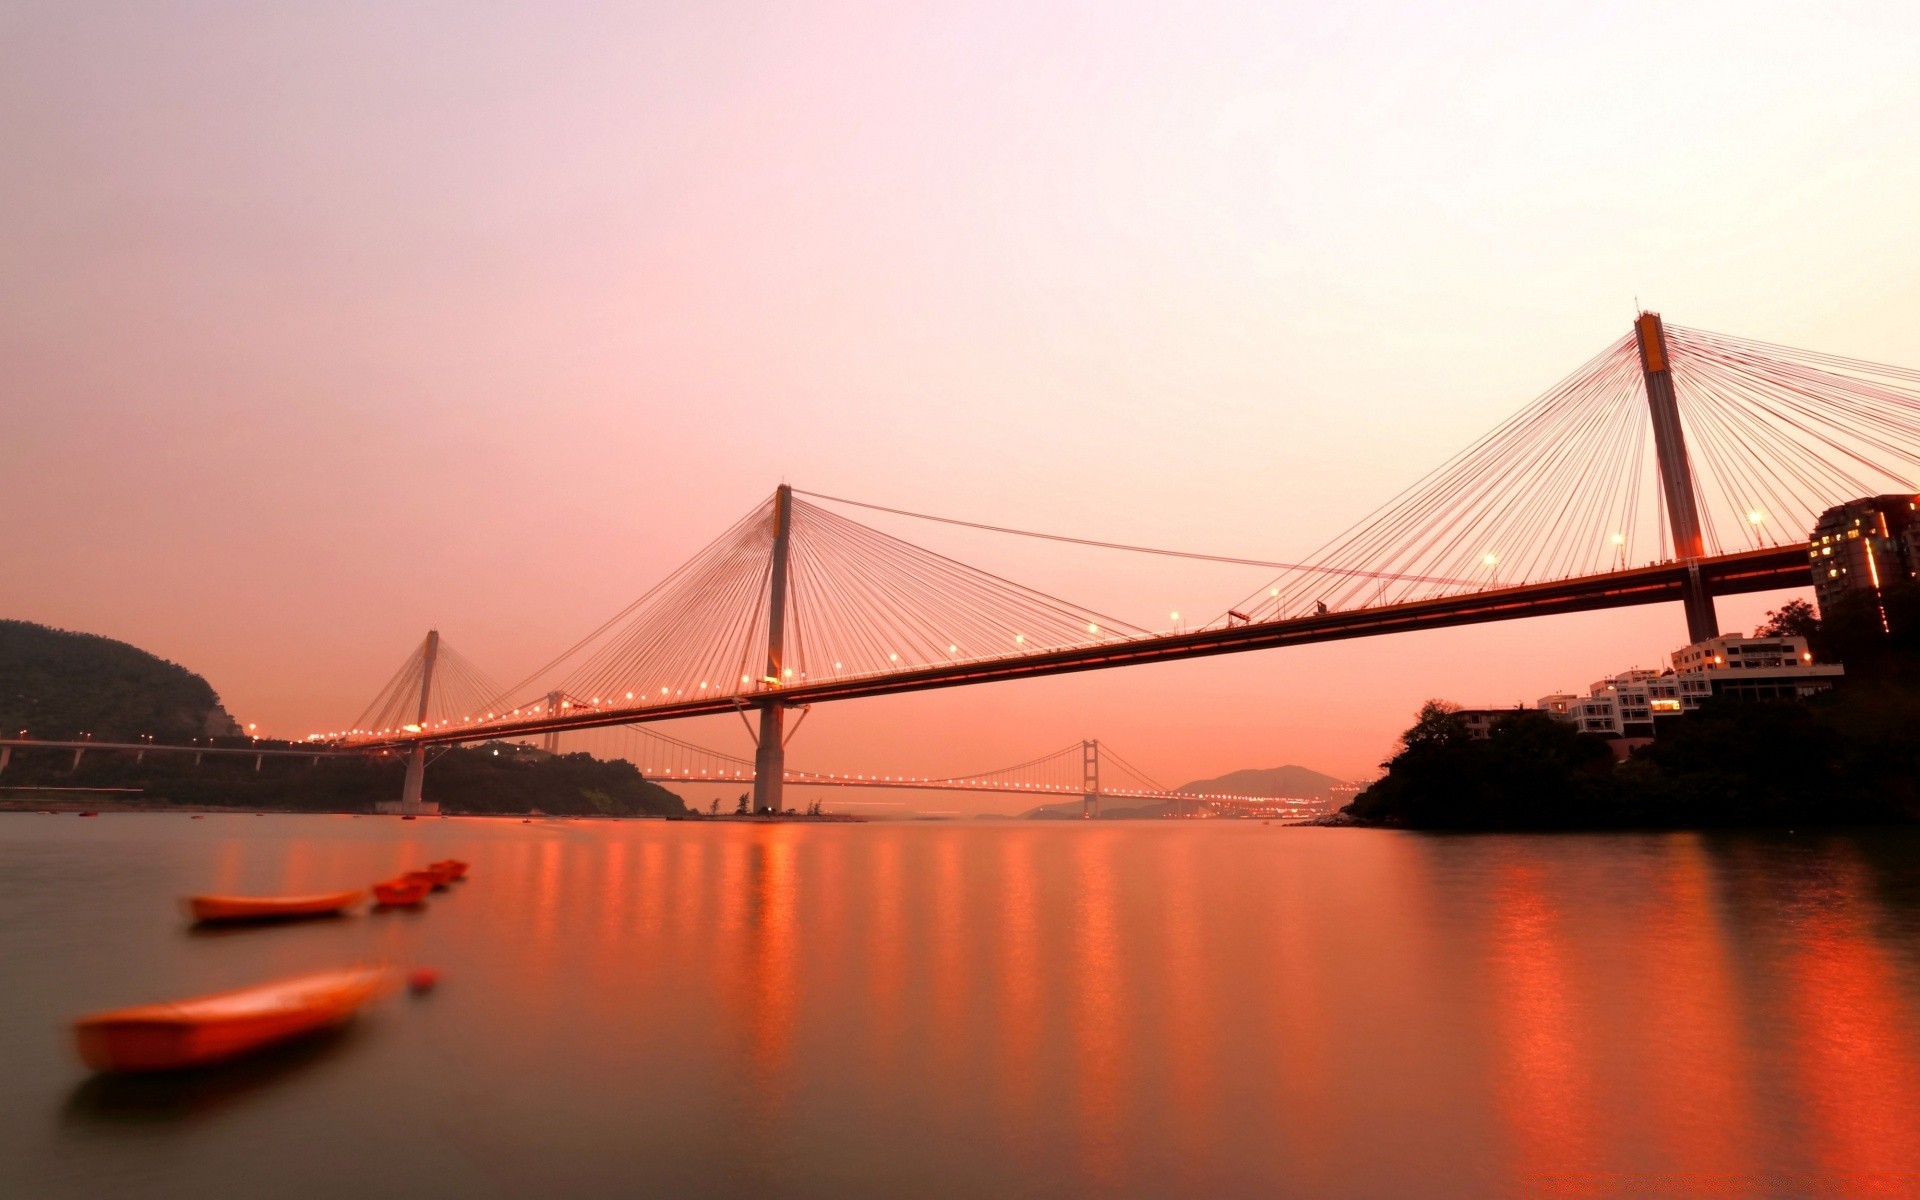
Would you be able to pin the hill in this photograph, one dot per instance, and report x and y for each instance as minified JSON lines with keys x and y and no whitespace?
{"x":57,"y":684}
{"x":1292,"y":781}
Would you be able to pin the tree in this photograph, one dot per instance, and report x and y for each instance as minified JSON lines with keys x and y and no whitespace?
{"x":1795,"y":618}
{"x":1437,"y":725}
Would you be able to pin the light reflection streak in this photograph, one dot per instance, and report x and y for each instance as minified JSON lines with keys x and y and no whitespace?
{"x":1098,"y":1041}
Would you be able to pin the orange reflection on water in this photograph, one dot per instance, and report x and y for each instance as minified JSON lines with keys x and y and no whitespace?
{"x":1295,"y":1007}
{"x":1545,"y":1095}
{"x":1853,"y":1037}
{"x":616,"y":896}
{"x":1022,"y":1014}
{"x":947,"y":972}
{"x":1097,"y":1036}
{"x":768,"y":980}
{"x":887,"y":950}
{"x":1192,"y":1026}
{"x":1699,"y":1084}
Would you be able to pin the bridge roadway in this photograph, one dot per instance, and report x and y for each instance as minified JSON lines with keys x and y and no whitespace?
{"x":1062,"y":792}
{"x":1761,"y":570}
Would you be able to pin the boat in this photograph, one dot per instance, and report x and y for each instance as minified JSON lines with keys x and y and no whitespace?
{"x":431,"y":878}
{"x":402,"y":892}
{"x":224,"y":1025}
{"x":270,"y":908}
{"x":448,"y":870}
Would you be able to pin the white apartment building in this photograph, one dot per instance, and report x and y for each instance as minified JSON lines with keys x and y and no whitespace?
{"x":1628,"y":704}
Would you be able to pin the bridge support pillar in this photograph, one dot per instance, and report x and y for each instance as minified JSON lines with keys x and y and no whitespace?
{"x":417,"y":760}
{"x":1676,"y":476}
{"x":76,"y":760}
{"x":416,"y":777}
{"x":1089,"y":780}
{"x":6,"y":756}
{"x":770,"y":761}
{"x":550,"y":740}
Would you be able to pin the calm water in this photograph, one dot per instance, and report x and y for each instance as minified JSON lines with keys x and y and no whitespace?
{"x":980,"y":1009}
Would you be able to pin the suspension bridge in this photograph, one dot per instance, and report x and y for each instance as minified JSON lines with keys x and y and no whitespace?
{"x":1088,"y":771}
{"x":1675,"y":466}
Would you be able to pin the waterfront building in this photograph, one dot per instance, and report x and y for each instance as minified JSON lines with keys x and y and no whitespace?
{"x":1864,"y":546}
{"x":1627,"y":708}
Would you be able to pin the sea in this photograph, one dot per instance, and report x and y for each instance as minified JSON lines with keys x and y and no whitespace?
{"x":1178,"y":1008}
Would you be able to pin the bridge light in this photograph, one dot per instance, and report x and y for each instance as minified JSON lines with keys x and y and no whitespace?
{"x":1020,"y":639}
{"x":952,"y":649}
{"x":1092,"y":628}
{"x":629,"y":695}
{"x":892,"y":657}
{"x":1173,"y":616}
{"x":1619,"y":539}
{"x":1273,"y":592}
{"x":1756,"y":517}
{"x":1489,"y":559}
{"x":411,"y":728}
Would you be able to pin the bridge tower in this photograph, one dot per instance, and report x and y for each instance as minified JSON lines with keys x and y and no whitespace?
{"x":1089,"y":780}
{"x":770,"y":758}
{"x":417,"y":757}
{"x":1676,"y":475}
{"x":550,"y":740}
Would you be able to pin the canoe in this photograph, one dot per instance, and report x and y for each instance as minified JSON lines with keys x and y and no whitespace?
{"x":401,"y":892}
{"x":268,"y":908}
{"x":211,"y":1029}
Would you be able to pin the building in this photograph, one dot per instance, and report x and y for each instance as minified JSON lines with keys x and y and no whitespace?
{"x":1755,"y":668}
{"x":1865,"y":545}
{"x":1631,"y":705}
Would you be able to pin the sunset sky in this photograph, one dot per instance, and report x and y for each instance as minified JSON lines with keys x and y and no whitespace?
{"x":323,"y":323}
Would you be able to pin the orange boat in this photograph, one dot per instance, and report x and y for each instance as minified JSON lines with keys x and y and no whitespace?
{"x":211,"y":1029}
{"x":449,"y":870}
{"x":402,"y":892}
{"x":270,"y":908}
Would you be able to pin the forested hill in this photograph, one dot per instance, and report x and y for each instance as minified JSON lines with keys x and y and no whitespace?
{"x":56,"y":684}
{"x":1292,"y":781}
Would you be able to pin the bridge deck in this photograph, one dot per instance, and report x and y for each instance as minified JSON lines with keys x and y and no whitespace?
{"x":1728,"y":574}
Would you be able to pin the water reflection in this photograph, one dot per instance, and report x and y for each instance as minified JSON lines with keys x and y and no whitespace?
{"x":1020,"y":1009}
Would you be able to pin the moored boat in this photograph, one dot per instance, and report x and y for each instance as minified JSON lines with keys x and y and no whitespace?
{"x":212,"y":1028}
{"x":402,"y":892}
{"x":269,"y":908}
{"x":448,"y":870}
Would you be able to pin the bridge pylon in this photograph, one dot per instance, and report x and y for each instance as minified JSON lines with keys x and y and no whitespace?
{"x":1089,"y":780}
{"x":770,"y":757}
{"x":1676,"y":475}
{"x":417,"y":757}
{"x":550,"y":740}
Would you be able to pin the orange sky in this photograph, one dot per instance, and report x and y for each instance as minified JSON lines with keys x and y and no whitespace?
{"x":324,"y":324}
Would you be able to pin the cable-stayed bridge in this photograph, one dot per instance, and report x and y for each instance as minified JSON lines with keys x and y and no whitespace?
{"x":1675,"y":466}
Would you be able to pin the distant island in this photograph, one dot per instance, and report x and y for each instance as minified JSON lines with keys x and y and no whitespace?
{"x":57,"y":685}
{"x":1850,"y":756}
